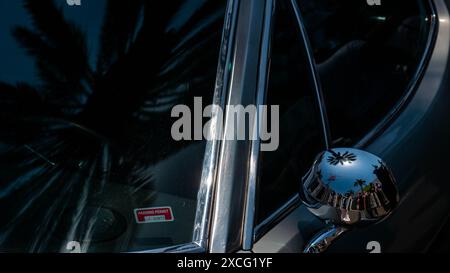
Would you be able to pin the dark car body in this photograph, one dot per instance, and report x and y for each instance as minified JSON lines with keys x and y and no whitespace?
{"x":117,"y":157}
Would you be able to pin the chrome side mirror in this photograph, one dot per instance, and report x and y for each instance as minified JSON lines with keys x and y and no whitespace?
{"x":347,"y":188}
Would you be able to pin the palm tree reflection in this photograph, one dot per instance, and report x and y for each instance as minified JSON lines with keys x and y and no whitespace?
{"x":360,"y":183}
{"x":369,"y":197}
{"x":84,"y":127}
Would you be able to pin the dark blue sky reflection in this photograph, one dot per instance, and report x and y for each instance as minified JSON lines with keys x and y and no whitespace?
{"x":15,"y":65}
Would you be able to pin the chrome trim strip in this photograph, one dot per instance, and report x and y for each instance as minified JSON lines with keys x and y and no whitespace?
{"x":413,"y":85}
{"x":233,"y":165}
{"x":250,"y":206}
{"x":314,"y":73}
{"x":212,"y":151}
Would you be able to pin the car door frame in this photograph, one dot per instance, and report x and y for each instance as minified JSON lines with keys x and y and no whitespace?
{"x":233,"y":216}
{"x":283,"y":234}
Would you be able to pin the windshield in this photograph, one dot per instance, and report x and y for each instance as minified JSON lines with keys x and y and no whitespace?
{"x":87,"y":160}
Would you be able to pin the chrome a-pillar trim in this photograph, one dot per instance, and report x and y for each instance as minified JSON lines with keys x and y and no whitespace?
{"x":226,"y":232}
{"x":212,"y":151}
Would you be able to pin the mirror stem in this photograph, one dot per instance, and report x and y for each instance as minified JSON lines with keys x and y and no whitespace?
{"x":324,"y":239}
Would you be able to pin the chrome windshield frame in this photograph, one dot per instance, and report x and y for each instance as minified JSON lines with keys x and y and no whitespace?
{"x":213,"y":147}
{"x":232,"y":207}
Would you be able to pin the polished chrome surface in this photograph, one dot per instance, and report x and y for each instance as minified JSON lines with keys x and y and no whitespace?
{"x":349,"y":187}
{"x":324,"y":239}
{"x":226,"y":231}
{"x":212,"y":152}
{"x":250,"y":204}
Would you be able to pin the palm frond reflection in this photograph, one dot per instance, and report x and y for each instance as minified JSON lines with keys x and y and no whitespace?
{"x":83,"y":143}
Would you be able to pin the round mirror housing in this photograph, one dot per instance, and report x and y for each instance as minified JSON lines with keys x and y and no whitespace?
{"x":349,"y":187}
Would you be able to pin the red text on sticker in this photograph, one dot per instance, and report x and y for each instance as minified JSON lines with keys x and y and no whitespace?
{"x":154,"y":215}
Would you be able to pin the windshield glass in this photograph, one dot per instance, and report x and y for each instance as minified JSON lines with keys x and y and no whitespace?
{"x":87,"y":160}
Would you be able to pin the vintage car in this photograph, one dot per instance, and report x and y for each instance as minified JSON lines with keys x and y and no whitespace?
{"x":88,"y":161}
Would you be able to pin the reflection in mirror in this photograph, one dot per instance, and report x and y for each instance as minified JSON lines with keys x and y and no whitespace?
{"x":349,"y":187}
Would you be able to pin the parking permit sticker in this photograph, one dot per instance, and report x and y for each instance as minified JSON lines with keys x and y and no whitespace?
{"x":153,"y":215}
